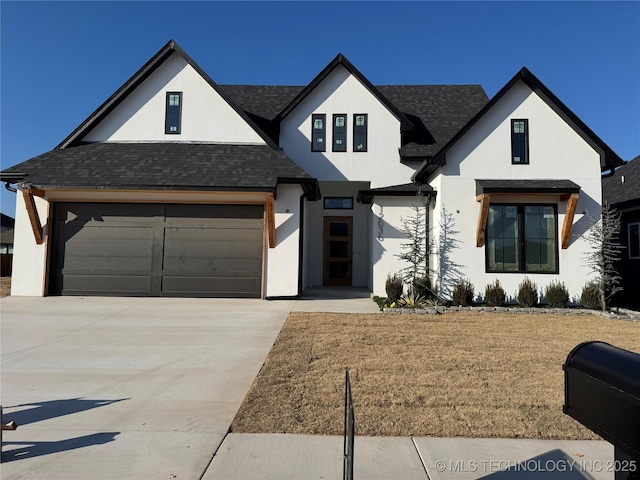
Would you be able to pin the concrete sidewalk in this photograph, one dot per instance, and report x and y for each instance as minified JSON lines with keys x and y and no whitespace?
{"x":279,"y":456}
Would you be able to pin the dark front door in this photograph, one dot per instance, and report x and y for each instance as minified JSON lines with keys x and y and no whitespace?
{"x":338,"y":241}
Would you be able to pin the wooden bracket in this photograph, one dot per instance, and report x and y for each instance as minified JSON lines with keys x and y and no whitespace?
{"x":572,"y":203}
{"x":485,"y":200}
{"x":34,"y":218}
{"x":271,"y":221}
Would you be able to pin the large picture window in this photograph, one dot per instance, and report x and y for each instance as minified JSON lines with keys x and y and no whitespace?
{"x":522,"y":238}
{"x":318,"y":133}
{"x":634,"y":240}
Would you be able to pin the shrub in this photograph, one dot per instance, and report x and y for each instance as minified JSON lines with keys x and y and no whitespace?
{"x":557,"y":295}
{"x":463,"y":293}
{"x":494,"y":294}
{"x":412,"y":301}
{"x":393,"y":287}
{"x":382,"y":302}
{"x":590,"y":297}
{"x":422,"y":287}
{"x":527,"y":293}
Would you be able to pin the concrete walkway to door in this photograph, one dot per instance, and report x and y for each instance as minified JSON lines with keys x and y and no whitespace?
{"x":336,"y":299}
{"x":139,"y":388}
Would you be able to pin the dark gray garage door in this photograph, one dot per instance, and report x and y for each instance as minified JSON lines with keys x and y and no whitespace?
{"x":157,"y":250}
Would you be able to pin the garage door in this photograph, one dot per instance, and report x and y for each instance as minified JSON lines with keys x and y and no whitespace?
{"x":157,"y":250}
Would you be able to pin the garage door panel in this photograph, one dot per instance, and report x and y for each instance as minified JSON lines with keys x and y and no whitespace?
{"x":211,"y":286}
{"x":106,"y":285}
{"x":138,"y":249}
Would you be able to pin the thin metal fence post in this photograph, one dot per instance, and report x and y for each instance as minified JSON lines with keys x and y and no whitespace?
{"x":349,"y":430}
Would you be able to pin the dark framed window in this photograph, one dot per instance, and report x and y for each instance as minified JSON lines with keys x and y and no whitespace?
{"x":519,"y":142}
{"x":360,"y":132}
{"x":634,"y":240}
{"x":318,"y":132}
{"x":339,"y":132}
{"x":173,"y":114}
{"x":522,"y":238}
{"x":343,"y":203}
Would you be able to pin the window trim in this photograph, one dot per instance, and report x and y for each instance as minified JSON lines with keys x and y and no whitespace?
{"x":521,"y":241}
{"x":166,"y":114}
{"x":526,"y":141}
{"x":324,"y":204}
{"x":323,"y":117}
{"x":358,"y":130}
{"x":629,"y":225}
{"x":335,"y":133}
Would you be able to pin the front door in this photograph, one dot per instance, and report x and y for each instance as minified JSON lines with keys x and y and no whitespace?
{"x":338,"y":240}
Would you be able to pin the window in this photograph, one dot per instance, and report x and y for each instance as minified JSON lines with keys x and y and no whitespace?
{"x":174,"y":112}
{"x":318,"y":133}
{"x":338,"y":203}
{"x":360,"y":132}
{"x":634,"y":240}
{"x":522,"y":238}
{"x":519,"y":142}
{"x":339,"y":133}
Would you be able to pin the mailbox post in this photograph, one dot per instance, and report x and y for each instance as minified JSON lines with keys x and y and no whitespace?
{"x":602,"y":392}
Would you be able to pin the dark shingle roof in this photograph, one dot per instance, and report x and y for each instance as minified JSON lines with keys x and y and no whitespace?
{"x":406,"y":190}
{"x":551,"y":186}
{"x":183,"y":166}
{"x":627,"y":194}
{"x":437,"y":112}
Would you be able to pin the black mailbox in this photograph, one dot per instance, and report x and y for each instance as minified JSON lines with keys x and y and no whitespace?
{"x":602,"y":392}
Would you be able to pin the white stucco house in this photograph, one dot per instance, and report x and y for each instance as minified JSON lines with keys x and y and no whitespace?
{"x":178,"y":186}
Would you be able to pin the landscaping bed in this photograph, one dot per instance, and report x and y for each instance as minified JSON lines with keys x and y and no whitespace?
{"x":458,"y":374}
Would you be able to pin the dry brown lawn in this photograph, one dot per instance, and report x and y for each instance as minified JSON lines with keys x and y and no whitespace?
{"x":5,"y":286}
{"x":467,"y":374}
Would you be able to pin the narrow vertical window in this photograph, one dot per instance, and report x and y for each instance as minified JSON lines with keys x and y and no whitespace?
{"x":519,"y":142}
{"x":318,"y":133}
{"x":634,"y":240}
{"x":340,"y":133}
{"x":360,"y":132}
{"x":173,"y":113}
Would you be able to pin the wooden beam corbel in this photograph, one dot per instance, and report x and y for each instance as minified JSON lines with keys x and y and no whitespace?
{"x":271,"y":221}
{"x":34,"y":218}
{"x":485,"y":200}
{"x":572,"y":203}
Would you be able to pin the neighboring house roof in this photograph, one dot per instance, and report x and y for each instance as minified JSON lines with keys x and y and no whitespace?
{"x":622,"y":189}
{"x":130,"y":85}
{"x":184,"y":166}
{"x":608,"y":158}
{"x":406,"y":190}
{"x":436,"y":112}
{"x":527,"y":186}
{"x":7,"y":225}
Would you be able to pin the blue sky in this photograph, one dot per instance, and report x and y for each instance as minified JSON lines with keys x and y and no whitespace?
{"x":61,"y":60}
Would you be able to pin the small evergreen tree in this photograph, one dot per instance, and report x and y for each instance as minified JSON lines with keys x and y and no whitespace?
{"x":415,"y":251}
{"x":603,"y":236}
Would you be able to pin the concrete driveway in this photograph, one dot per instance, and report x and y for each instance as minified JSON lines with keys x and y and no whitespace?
{"x":138,"y":388}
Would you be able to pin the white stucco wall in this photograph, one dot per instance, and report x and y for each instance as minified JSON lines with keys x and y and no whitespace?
{"x":206,"y":117}
{"x":29,"y":258}
{"x":387,"y":238}
{"x":341,"y":93}
{"x":556,"y":151}
{"x":281,"y":262}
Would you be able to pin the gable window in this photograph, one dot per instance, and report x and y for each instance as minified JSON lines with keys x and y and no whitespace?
{"x":173,"y":112}
{"x":339,"y":133}
{"x":360,"y":132}
{"x":522,"y":238}
{"x":519,"y":142}
{"x":318,"y":133}
{"x":634,"y":240}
